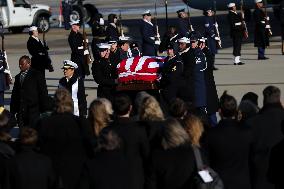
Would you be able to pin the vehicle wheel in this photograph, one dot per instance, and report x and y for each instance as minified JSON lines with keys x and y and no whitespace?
{"x":43,"y":23}
{"x":91,"y":12}
{"x":76,"y":14}
{"x":16,"y":29}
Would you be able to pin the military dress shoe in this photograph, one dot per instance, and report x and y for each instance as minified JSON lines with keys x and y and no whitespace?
{"x":263,"y":58}
{"x":240,"y":63}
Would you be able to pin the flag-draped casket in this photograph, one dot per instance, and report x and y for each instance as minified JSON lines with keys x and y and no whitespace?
{"x":139,"y":73}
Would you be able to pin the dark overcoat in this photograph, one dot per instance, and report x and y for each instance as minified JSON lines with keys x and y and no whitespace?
{"x":32,"y":170}
{"x":171,"y":169}
{"x":103,"y":71}
{"x":210,"y":34}
{"x":29,"y":99}
{"x":261,"y":37}
{"x":148,"y":39}
{"x":235,"y":22}
{"x":40,"y":59}
{"x":135,"y":146}
{"x":266,"y":128}
{"x":112,"y":33}
{"x":184,"y":27}
{"x":66,"y":140}
{"x":229,"y":146}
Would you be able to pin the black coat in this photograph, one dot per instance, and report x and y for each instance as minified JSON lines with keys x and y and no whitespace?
{"x":40,"y":59}
{"x":107,"y":170}
{"x":72,"y":84}
{"x":210,"y":34}
{"x":103,"y":73}
{"x":75,"y":40}
{"x":112,"y":33}
{"x":135,"y":146}
{"x":235,"y":21}
{"x":66,"y":139}
{"x":184,"y":27}
{"x":229,"y":147}
{"x":261,"y":38}
{"x":171,"y":169}
{"x":29,"y":99}
{"x":266,"y":128}
{"x":31,"y":170}
{"x":148,"y":39}
{"x":6,"y":153}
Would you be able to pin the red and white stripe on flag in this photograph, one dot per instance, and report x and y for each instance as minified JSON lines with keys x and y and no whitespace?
{"x":139,"y":68}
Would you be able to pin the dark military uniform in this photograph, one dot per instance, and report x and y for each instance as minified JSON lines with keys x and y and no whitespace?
{"x":148,"y":39}
{"x":210,"y":34}
{"x":98,"y":32}
{"x":102,"y":71}
{"x":261,"y":35}
{"x":236,"y":33}
{"x":282,"y":23}
{"x":184,"y":27}
{"x":172,"y":81}
{"x":40,"y":59}
{"x":76,"y":44}
{"x":66,"y":11}
{"x":112,"y":32}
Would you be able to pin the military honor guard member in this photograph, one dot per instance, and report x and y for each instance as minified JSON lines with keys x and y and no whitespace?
{"x":149,"y":44}
{"x":98,"y":32}
{"x":124,"y":47}
{"x":112,"y":32}
{"x":103,"y":70}
{"x":38,"y":51}
{"x":184,"y":23}
{"x":29,"y":94}
{"x":261,"y":31}
{"x":236,"y":32}
{"x":210,"y":34}
{"x":66,"y":11}
{"x":74,"y":84}
{"x":75,"y":40}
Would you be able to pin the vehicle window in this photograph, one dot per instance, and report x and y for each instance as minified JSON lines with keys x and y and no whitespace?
{"x":3,"y":3}
{"x":19,"y":3}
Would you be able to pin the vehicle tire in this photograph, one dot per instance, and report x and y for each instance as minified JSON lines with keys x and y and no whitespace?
{"x":76,"y":14}
{"x":43,"y":23}
{"x":91,"y":12}
{"x":16,"y":29}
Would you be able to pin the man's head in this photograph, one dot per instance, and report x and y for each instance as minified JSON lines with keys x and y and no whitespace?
{"x":259,"y":3}
{"x":33,"y":31}
{"x":122,"y":105}
{"x":182,"y":14}
{"x":75,"y":25}
{"x":147,"y":15}
{"x":170,"y":50}
{"x":123,"y":43}
{"x":112,"y":18}
{"x":113,"y":45}
{"x":69,"y":68}
{"x":24,"y":63}
{"x":228,"y":106}
{"x":104,"y":49}
{"x":208,"y":12}
{"x":232,"y":6}
{"x":183,"y":43}
{"x":271,"y":95}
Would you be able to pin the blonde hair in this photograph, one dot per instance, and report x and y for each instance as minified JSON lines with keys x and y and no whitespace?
{"x":63,"y":101}
{"x":173,"y":134}
{"x":107,"y":104}
{"x":194,"y":128}
{"x":150,"y":110}
{"x":98,"y":116}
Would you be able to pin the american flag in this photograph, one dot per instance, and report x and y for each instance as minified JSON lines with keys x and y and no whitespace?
{"x":139,"y":68}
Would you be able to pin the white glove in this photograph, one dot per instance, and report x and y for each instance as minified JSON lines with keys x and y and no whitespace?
{"x":86,"y":52}
{"x":157,"y":42}
{"x":216,"y":24}
{"x":7,"y":71}
{"x":81,"y":47}
{"x":267,"y":18}
{"x":87,"y":40}
{"x":102,"y":22}
{"x":153,"y":38}
{"x":217,"y":38}
{"x":267,"y":27}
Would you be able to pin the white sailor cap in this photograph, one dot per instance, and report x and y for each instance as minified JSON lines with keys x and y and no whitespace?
{"x":258,"y":1}
{"x":184,"y":40}
{"x":112,"y":42}
{"x":230,"y":5}
{"x":68,"y":64}
{"x":33,"y":28}
{"x":103,"y":46}
{"x":74,"y":22}
{"x":202,"y":39}
{"x":147,"y":12}
{"x":124,"y":38}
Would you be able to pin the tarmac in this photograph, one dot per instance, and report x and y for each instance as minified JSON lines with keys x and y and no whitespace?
{"x":254,"y":76}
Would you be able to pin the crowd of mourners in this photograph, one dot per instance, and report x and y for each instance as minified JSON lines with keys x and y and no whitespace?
{"x":124,"y":144}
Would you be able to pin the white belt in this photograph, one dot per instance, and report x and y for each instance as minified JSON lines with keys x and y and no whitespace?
{"x":153,"y":38}
{"x":263,"y":22}
{"x":238,"y":24}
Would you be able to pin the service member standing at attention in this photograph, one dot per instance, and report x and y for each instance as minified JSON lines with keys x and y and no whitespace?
{"x":236,"y":32}
{"x":29,"y":95}
{"x":184,"y":23}
{"x":75,"y":40}
{"x":75,"y":86}
{"x":149,"y":44}
{"x":210,"y":34}
{"x":112,"y":32}
{"x":261,"y":31}
{"x":37,"y":50}
{"x":102,"y":71}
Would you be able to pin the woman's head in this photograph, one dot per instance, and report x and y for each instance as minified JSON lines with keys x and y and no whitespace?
{"x":173,"y":135}
{"x":63,"y":101}
{"x":98,"y":116}
{"x":194,"y":128}
{"x":150,"y":110}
